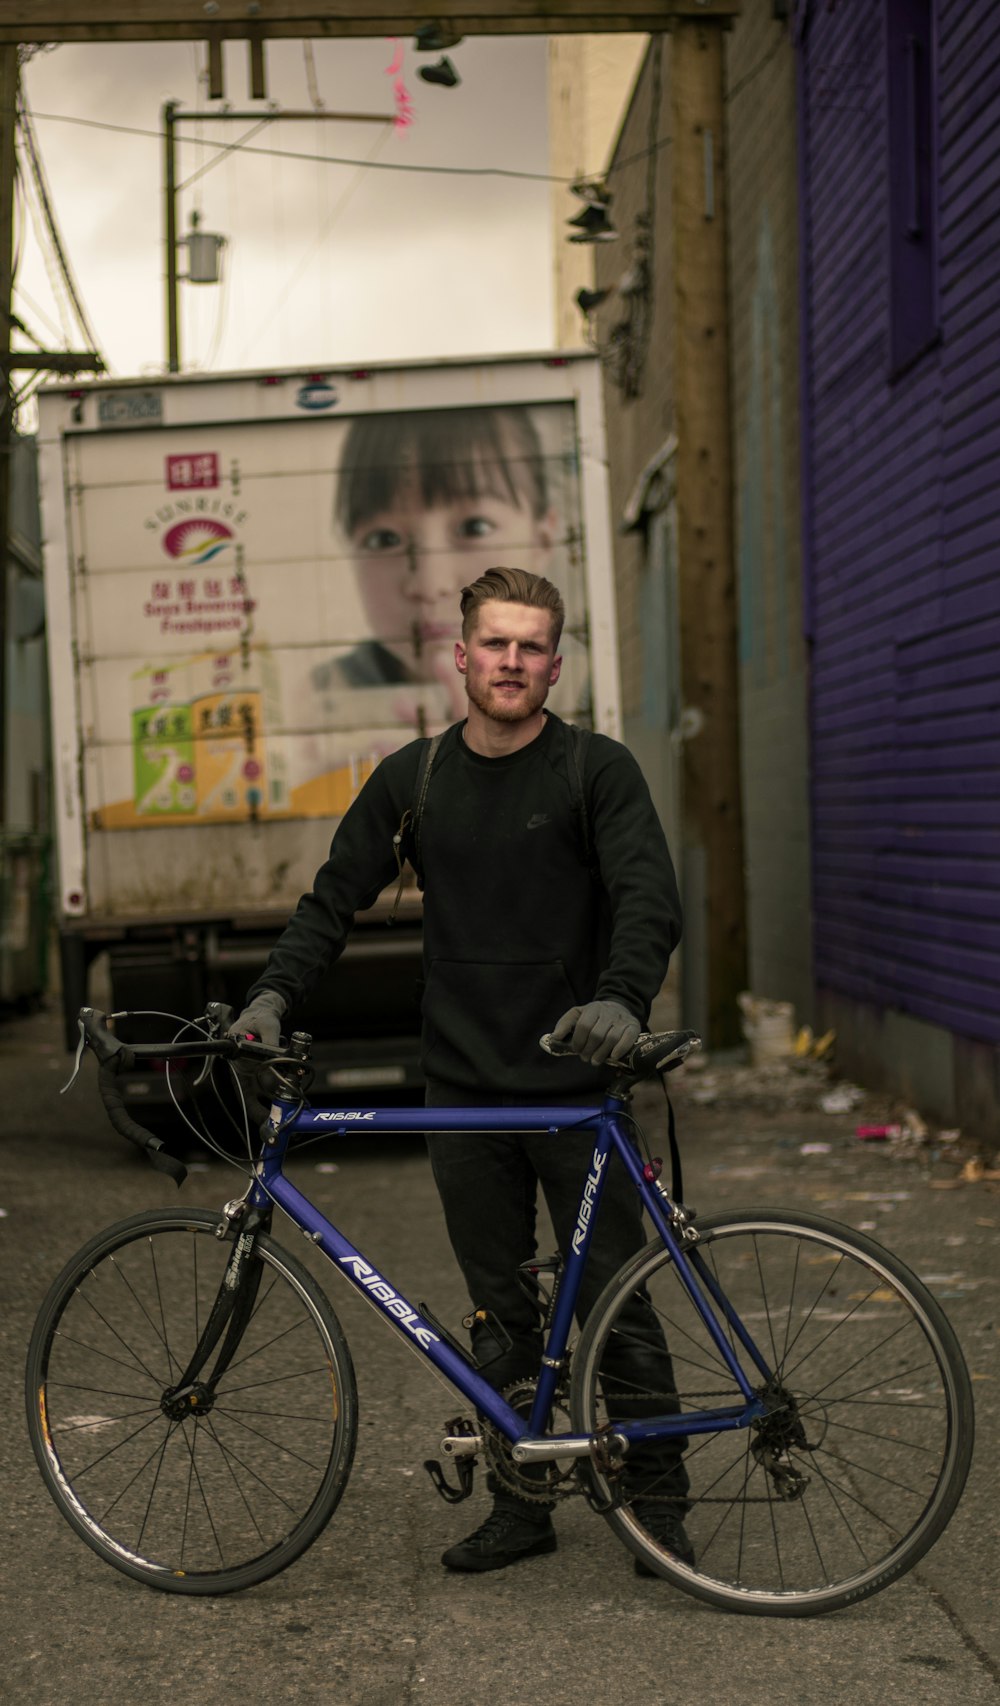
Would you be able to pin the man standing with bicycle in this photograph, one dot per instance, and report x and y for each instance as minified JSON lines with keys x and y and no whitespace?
{"x":550,"y":905}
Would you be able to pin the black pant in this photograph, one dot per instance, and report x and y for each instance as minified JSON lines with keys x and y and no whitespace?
{"x":488,"y":1185}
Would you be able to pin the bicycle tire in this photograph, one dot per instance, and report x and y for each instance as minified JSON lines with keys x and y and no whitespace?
{"x":224,"y":1498}
{"x":856,"y":1470}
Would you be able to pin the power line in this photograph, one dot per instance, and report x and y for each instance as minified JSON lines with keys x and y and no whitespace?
{"x":324,"y":159}
{"x":42,"y":190}
{"x":325,"y":229}
{"x":334,"y":159}
{"x":224,"y":152}
{"x":36,"y":308}
{"x":755,"y":71}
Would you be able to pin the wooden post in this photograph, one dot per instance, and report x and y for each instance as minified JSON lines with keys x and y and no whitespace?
{"x":715,"y":954}
{"x":170,"y":235}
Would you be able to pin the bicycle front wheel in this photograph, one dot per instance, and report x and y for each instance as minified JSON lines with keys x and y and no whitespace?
{"x":860,"y":1458}
{"x":232,"y":1493}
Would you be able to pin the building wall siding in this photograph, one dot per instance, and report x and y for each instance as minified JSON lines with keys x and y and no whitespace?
{"x":903,"y":547}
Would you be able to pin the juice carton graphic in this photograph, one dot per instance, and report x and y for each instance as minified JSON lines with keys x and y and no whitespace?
{"x":200,"y":753}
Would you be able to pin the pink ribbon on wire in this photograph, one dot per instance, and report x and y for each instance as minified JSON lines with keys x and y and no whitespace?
{"x":405,"y":113}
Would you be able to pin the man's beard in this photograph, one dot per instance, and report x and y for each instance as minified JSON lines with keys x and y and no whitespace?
{"x":493,"y":704}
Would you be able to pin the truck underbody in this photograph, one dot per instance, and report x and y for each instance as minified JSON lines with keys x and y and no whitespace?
{"x":364,"y":1015}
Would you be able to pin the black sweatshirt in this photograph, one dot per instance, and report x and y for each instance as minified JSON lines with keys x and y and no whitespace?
{"x":516,"y":927}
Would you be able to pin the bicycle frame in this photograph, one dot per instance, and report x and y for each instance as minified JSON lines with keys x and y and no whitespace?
{"x":607,"y":1124}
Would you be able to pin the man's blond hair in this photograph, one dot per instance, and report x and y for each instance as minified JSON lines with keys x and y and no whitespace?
{"x":512,"y":586}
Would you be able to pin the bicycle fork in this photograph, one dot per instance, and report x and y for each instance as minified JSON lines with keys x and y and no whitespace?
{"x":234,"y":1304}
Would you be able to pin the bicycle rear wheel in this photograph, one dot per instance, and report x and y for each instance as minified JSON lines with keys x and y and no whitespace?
{"x":230,"y":1495}
{"x":861,"y":1457}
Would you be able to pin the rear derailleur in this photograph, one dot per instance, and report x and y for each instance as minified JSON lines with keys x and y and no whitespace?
{"x":778,"y":1434}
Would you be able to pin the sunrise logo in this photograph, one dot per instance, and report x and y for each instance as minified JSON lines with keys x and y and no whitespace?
{"x":196,"y":541}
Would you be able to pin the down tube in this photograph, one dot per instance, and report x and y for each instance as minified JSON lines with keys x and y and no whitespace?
{"x":411,"y":1326}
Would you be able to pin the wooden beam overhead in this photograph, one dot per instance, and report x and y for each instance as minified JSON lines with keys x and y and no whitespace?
{"x":31,"y":21}
{"x":51,"y":361}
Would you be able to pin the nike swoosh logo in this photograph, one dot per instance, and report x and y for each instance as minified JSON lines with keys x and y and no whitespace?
{"x":537,"y":821}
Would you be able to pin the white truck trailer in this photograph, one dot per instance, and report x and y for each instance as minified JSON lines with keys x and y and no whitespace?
{"x":252,"y":589}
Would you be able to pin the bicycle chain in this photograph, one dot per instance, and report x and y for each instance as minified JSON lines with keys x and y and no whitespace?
{"x":541,"y":1483}
{"x":536,"y":1483}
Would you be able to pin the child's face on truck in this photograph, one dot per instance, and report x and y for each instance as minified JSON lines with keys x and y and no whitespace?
{"x":414,"y":559}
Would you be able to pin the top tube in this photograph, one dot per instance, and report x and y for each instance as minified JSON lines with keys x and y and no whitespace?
{"x":513,"y":1119}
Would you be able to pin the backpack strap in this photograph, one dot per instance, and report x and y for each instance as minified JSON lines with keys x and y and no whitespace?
{"x":420,"y":795}
{"x":406,"y":841}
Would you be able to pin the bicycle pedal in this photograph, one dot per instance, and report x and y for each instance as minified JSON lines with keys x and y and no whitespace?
{"x":465,"y":1468}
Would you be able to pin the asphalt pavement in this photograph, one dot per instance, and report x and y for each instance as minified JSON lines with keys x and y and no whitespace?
{"x":368,"y":1617}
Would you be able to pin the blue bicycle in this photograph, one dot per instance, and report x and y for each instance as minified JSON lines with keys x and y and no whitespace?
{"x":193,"y":1408}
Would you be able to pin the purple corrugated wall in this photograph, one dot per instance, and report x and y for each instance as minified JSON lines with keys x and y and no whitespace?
{"x":903,"y":535}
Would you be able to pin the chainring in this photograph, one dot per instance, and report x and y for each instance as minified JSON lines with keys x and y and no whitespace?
{"x":537,"y":1483}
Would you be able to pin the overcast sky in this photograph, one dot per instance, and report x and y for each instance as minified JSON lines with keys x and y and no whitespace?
{"x":325,"y":264}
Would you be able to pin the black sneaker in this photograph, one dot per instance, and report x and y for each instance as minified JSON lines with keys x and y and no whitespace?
{"x":666,"y":1527}
{"x":507,"y":1536}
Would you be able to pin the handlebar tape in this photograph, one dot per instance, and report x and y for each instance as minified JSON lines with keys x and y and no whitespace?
{"x":126,"y":1126}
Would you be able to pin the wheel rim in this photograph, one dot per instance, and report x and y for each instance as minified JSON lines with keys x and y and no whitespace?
{"x":851,"y":1472}
{"x":215,"y":1494}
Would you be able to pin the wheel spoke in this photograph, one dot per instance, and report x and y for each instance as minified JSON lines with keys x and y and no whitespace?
{"x":862,"y":1441}
{"x":231,"y":1489}
{"x":137,"y":1360}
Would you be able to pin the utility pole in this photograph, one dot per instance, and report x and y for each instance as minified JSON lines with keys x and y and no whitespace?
{"x":715,"y":962}
{"x":170,"y":232}
{"x":61,"y":361}
{"x":172,"y":116}
{"x":8,"y":123}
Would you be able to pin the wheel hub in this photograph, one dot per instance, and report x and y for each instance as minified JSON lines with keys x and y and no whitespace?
{"x":179,"y":1402}
{"x":779,"y":1433}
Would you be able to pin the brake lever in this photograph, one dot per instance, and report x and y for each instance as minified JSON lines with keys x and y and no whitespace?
{"x":81,"y":1045}
{"x":106,"y":1046}
{"x":219,"y":1016}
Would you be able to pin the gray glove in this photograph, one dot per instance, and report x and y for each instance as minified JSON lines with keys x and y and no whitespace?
{"x":602,"y":1031}
{"x":261,"y":1018}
